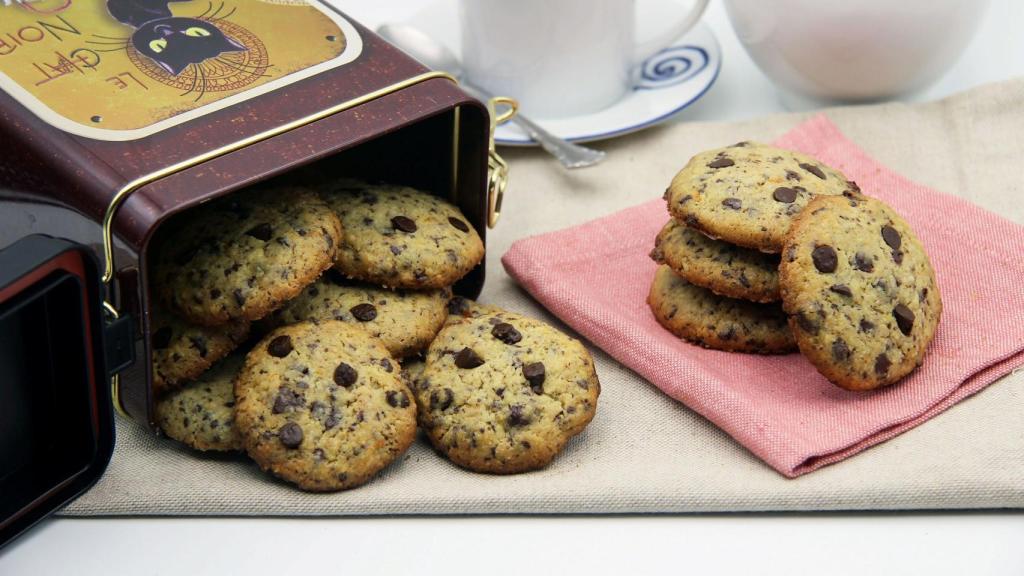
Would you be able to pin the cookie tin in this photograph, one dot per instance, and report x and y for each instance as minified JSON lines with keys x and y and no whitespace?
{"x":118,"y":114}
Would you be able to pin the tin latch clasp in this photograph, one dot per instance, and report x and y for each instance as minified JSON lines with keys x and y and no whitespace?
{"x":497,"y":168}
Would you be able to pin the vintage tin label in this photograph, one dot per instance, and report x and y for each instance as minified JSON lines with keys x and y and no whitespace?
{"x":125,"y":69}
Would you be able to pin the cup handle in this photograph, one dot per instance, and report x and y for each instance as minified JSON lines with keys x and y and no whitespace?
{"x":647,"y":48}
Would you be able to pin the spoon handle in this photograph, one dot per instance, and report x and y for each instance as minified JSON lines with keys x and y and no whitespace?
{"x":569,"y":154}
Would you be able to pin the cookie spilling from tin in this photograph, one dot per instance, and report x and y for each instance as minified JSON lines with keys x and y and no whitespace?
{"x":338,"y":283}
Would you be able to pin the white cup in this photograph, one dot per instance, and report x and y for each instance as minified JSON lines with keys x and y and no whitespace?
{"x":842,"y":50}
{"x":559,"y":58}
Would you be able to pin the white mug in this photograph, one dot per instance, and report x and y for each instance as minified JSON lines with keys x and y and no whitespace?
{"x":559,"y":57}
{"x":838,"y":50}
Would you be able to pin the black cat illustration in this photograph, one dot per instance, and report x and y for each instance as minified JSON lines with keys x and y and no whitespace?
{"x":172,"y":42}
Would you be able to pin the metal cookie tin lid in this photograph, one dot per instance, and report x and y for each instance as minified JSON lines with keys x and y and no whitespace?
{"x":56,"y":422}
{"x":120,"y":70}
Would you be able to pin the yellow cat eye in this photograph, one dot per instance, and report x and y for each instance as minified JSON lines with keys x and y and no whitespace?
{"x":158,"y":45}
{"x":196,"y":31}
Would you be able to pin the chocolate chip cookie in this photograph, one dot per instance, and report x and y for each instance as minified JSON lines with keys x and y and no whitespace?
{"x":405,"y":321}
{"x":323,"y":405}
{"x":705,"y":318}
{"x":399,"y":237}
{"x":723,"y":268}
{"x":502,"y":393}
{"x":860,"y":291}
{"x":202,"y":414}
{"x":240,"y":257}
{"x":748,"y":193}
{"x":182,"y":350}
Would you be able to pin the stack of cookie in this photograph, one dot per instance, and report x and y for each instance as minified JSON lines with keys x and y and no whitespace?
{"x":342,"y":283}
{"x":853,"y":288}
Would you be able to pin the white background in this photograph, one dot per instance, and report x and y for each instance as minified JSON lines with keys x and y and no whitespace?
{"x":857,"y":544}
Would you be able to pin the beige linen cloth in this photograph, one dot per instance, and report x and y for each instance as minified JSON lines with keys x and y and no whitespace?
{"x":645,"y":452}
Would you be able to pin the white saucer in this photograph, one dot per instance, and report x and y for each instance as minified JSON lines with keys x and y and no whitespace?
{"x":670,"y":80}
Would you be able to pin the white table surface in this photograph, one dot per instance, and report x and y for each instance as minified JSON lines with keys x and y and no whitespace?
{"x":906,"y":543}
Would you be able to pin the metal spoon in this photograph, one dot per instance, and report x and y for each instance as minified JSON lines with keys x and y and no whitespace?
{"x":438,"y":57}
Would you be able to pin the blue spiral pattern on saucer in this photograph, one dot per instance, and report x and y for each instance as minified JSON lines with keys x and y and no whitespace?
{"x":671,"y":66}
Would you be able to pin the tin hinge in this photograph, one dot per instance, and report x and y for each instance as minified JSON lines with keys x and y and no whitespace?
{"x":119,"y":343}
{"x":119,"y":352}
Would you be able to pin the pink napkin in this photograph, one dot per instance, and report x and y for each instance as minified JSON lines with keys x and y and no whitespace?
{"x":595,"y":277}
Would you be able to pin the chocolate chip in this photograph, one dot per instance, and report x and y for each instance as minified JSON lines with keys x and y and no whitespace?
{"x":345,"y":375}
{"x":882,"y":364}
{"x":922,"y":295}
{"x":813,"y":170}
{"x":740,"y":144}
{"x":290,"y":435}
{"x":841,"y":289}
{"x":280,"y":346}
{"x":806,"y":323}
{"x":199,"y":343}
{"x":733,"y":203}
{"x":162,"y":338}
{"x":721,"y":163}
{"x":790,"y":175}
{"x":239,"y":297}
{"x":286,"y":398}
{"x":396,"y":250}
{"x":863,"y":262}
{"x":904,"y":318}
{"x":441,"y":399}
{"x":825,"y":259}
{"x":891,"y":237}
{"x":783,"y":194}
{"x":535,"y":375}
{"x":866,"y":325}
{"x":262,"y":231}
{"x":516,"y":416}
{"x":386,"y":365}
{"x":507,"y":333}
{"x":897,"y":256}
{"x":364,"y":312}
{"x":397,"y":398}
{"x":840,"y":351}
{"x":468,"y":359}
{"x":458,"y":306}
{"x":458,"y":224}
{"x":404,"y":224}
